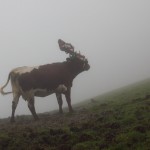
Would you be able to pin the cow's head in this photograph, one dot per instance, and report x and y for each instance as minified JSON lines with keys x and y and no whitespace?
{"x":79,"y":64}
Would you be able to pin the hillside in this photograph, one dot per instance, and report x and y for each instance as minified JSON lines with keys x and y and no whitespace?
{"x":118,"y":120}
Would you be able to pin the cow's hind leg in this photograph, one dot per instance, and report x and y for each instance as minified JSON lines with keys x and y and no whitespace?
{"x":14,"y":105}
{"x":60,"y":102}
{"x":32,"y":108}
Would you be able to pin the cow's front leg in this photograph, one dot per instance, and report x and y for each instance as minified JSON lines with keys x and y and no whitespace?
{"x":14,"y":105}
{"x":68,"y":99}
{"x":60,"y":102}
{"x":32,"y":108}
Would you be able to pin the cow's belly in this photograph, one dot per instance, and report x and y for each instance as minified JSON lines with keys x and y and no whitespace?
{"x":42,"y":92}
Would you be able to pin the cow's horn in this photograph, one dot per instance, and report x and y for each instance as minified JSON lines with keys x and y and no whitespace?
{"x":67,"y":47}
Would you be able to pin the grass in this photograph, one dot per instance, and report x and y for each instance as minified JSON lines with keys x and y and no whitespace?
{"x":118,"y":120}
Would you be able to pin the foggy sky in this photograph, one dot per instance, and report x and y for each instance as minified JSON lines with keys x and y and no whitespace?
{"x":113,"y":35}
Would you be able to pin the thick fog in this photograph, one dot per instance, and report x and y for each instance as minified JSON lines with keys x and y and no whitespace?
{"x":113,"y":35}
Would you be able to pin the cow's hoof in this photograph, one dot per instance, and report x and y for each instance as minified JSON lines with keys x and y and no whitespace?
{"x":12,"y":120}
{"x":61,"y":112}
{"x":36,"y":119}
{"x":71,"y":111}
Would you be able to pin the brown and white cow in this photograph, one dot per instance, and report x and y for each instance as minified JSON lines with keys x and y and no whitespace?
{"x":44,"y":80}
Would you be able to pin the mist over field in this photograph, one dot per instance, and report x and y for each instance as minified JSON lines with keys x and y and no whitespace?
{"x":113,"y":35}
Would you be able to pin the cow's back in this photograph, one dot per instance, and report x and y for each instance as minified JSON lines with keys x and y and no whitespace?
{"x":48,"y":76}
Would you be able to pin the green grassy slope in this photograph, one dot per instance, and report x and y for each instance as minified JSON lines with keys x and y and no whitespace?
{"x":118,"y":120}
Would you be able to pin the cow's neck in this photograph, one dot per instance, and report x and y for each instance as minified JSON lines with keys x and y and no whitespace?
{"x":74,"y":70}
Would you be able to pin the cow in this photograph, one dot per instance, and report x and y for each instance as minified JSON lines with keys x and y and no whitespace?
{"x":43,"y":80}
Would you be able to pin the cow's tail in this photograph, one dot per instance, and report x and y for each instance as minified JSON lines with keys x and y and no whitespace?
{"x":1,"y":89}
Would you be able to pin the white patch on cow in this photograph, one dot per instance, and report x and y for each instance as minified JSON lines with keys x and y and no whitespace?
{"x":25,"y":69}
{"x":61,"y":88}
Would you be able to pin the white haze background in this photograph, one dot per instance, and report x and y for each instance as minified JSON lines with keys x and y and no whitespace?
{"x":113,"y":34}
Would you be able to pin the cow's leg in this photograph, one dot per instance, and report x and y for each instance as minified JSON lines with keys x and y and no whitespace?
{"x":14,"y":105}
{"x":60,"y":102}
{"x":32,"y":108}
{"x":68,"y":99}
